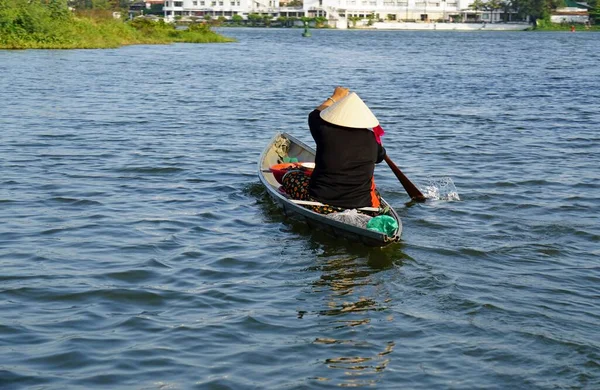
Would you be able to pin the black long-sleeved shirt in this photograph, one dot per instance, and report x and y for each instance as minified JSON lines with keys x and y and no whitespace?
{"x":345,"y":163}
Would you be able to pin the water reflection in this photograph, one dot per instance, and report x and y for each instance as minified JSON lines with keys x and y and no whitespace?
{"x":376,"y":363}
{"x":349,"y":300}
{"x":356,"y":305}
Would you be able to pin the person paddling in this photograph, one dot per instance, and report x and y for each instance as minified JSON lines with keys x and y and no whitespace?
{"x":347,"y":136}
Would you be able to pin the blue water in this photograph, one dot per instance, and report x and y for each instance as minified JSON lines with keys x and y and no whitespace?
{"x":139,"y":250}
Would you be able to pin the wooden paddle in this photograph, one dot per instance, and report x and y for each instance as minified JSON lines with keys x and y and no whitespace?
{"x":410,"y":188}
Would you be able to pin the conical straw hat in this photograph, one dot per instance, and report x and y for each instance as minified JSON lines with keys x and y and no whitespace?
{"x":351,"y":111}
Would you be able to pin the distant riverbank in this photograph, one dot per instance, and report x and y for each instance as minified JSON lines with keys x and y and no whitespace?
{"x":415,"y":26}
{"x":39,"y":26}
{"x":437,"y":26}
{"x":567,"y":27}
{"x":431,"y":26}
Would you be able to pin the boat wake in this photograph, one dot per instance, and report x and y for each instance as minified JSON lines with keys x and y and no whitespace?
{"x":441,"y":189}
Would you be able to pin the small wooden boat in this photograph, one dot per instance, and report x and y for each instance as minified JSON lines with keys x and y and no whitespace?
{"x":284,"y":147}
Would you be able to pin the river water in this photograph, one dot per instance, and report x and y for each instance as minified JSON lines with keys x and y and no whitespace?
{"x":139,"y":251}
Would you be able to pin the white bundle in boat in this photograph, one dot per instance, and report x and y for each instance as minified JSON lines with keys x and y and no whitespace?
{"x":351,"y":217}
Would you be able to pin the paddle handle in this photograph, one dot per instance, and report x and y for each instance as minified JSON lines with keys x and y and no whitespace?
{"x":410,"y":188}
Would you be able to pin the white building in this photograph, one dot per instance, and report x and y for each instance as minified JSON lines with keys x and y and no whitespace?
{"x":339,"y":13}
{"x":216,"y":8}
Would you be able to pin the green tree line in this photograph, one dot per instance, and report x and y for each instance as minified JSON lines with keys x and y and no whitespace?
{"x":535,"y":9}
{"x":100,"y":4}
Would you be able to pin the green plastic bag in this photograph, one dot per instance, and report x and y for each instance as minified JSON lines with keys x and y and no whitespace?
{"x":383,"y":224}
{"x":290,"y":159}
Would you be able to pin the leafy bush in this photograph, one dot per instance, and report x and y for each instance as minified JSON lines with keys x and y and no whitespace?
{"x":199,"y":28}
{"x":150,"y":27}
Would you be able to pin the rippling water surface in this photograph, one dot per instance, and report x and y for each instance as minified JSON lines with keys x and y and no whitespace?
{"x":138,"y":249}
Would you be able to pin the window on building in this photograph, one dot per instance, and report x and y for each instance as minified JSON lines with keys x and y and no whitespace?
{"x":220,"y":3}
{"x":202,"y":3}
{"x":195,"y":3}
{"x":179,"y":4}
